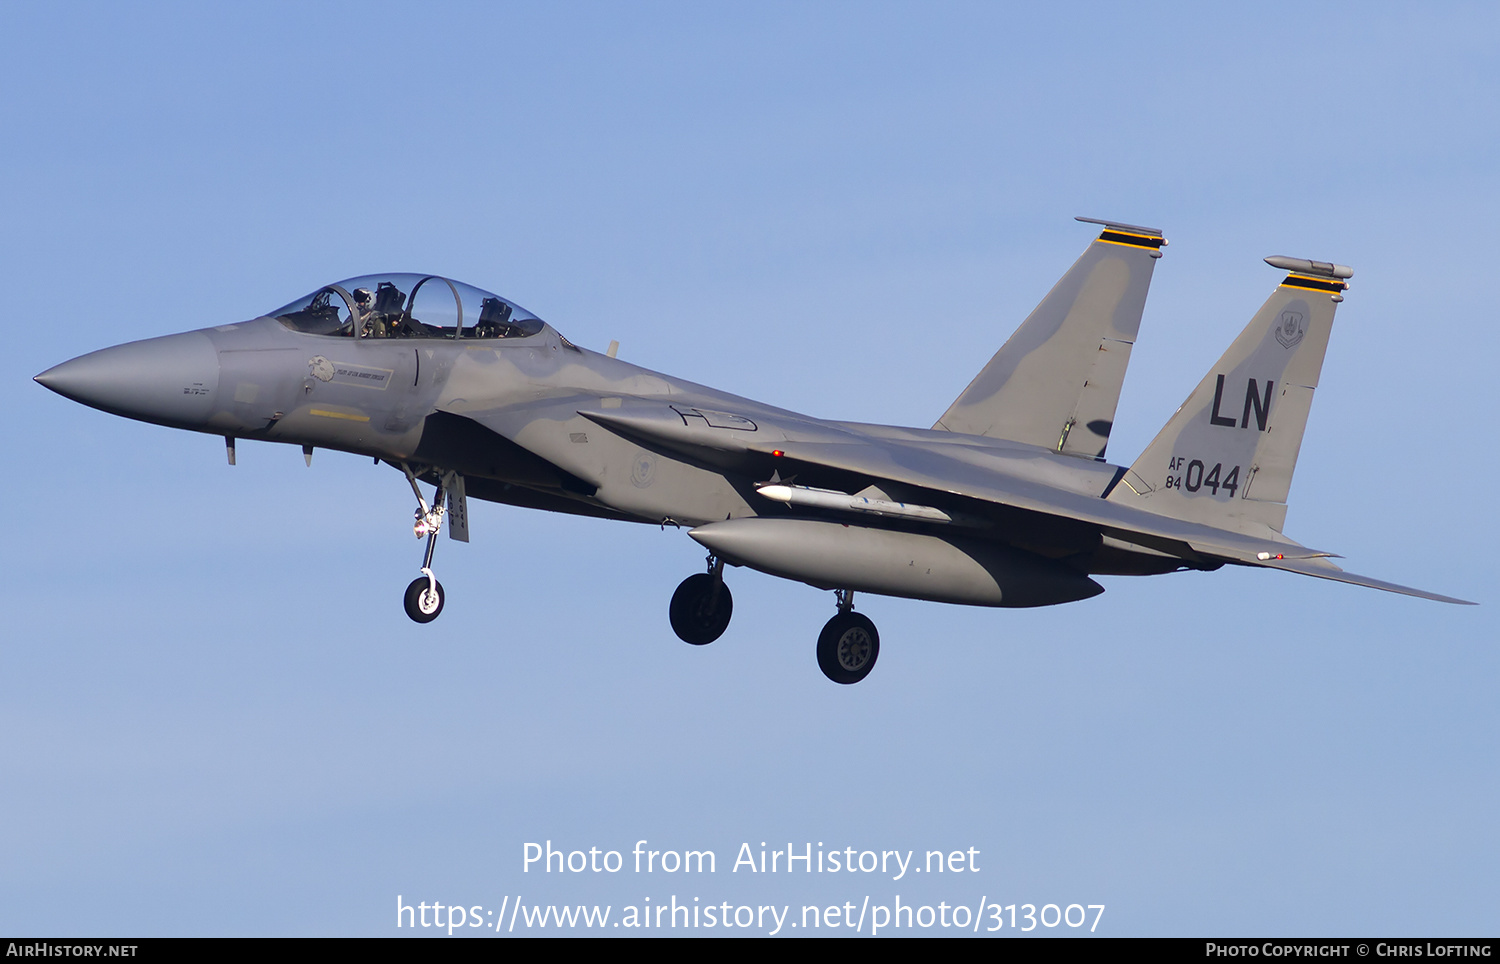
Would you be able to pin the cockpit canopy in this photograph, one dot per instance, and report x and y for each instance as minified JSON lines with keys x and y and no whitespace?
{"x":407,"y":306}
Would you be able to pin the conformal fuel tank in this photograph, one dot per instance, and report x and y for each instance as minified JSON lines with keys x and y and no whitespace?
{"x":832,"y":555}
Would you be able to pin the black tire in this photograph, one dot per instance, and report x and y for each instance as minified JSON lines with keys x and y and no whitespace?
{"x":697,"y":616}
{"x":418,"y":607}
{"x":848,"y":647}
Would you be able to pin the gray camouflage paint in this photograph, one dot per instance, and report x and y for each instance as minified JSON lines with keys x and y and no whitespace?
{"x":1246,"y":417}
{"x":1056,"y":382}
{"x":535,"y":421}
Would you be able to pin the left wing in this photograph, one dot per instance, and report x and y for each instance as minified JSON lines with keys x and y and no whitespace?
{"x":760,"y":452}
{"x":919,"y":466}
{"x":754,"y":441}
{"x":1188,"y":540}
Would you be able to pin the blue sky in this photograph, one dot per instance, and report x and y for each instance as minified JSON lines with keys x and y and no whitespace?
{"x":215,"y":719}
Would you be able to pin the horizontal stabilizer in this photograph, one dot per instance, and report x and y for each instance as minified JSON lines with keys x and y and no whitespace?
{"x":1326,"y":570}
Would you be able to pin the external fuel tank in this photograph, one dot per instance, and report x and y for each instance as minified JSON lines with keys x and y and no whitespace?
{"x":890,"y":562}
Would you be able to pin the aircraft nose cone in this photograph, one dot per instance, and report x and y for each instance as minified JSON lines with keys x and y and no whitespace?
{"x":168,"y":380}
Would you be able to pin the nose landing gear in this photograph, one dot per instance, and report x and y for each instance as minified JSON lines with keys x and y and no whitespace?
{"x":702,"y":605}
{"x":424,"y":596}
{"x":849,"y":644}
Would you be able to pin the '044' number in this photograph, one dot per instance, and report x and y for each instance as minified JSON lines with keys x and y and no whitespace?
{"x":1194,"y":478}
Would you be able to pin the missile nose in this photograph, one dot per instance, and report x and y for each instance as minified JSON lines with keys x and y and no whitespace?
{"x":170,"y":380}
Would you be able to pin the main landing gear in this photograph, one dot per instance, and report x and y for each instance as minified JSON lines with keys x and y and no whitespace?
{"x":848,"y":645}
{"x":424,"y":597}
{"x":702,"y":605}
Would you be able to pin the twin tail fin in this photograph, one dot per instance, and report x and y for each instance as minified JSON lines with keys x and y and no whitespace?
{"x":1226,"y":457}
{"x":1055,"y":383}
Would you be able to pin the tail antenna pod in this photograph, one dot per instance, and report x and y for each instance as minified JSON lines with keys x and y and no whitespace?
{"x":1314,"y":275}
{"x":1303,"y":266}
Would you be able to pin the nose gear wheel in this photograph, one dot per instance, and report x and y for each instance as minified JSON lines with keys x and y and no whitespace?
{"x":424,"y":599}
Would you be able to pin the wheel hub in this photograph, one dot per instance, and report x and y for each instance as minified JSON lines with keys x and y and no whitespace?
{"x":854,"y":649}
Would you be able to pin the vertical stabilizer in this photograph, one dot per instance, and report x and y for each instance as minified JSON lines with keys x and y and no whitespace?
{"x":1056,"y":382}
{"x":1226,"y":457}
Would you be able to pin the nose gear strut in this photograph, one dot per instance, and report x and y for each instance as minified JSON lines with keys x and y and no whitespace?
{"x":424,"y":597}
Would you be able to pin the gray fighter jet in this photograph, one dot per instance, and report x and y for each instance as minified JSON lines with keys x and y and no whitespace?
{"x":1006,"y":501}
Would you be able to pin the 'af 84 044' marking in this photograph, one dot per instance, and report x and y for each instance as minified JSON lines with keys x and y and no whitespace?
{"x":1193,"y":478}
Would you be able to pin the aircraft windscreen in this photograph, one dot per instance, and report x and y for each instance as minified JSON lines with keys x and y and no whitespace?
{"x":407,"y":306}
{"x":320,"y":313}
